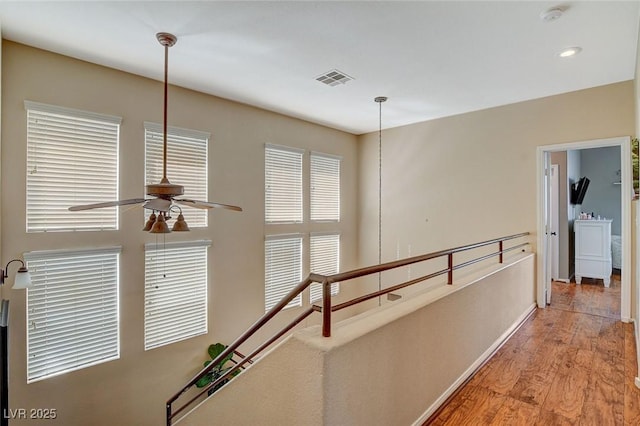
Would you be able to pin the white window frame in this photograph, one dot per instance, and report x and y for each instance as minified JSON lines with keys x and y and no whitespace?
{"x":283,"y":184}
{"x":283,"y":268}
{"x":324,"y":190}
{"x":72,"y":310}
{"x":176,"y":288}
{"x":323,"y":262}
{"x":187,"y":165}
{"x":72,"y":159}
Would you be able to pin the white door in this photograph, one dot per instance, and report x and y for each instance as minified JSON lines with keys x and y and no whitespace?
{"x":547,"y":227}
{"x":554,"y":201}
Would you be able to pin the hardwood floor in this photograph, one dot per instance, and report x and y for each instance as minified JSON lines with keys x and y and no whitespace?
{"x":573,"y":363}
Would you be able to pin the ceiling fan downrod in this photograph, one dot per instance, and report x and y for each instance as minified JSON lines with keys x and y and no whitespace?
{"x":165,"y":189}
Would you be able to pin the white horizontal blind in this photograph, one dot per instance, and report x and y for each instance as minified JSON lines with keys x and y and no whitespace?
{"x":72,"y":159}
{"x":186,"y":165}
{"x":325,"y":260}
{"x":325,"y":187}
{"x":283,"y":184}
{"x":175,"y":297}
{"x":72,"y":310}
{"x":283,"y":268}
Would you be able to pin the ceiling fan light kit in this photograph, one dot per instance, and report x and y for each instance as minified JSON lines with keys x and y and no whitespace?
{"x":180,"y":224}
{"x":150,"y":222}
{"x":165,"y":191}
{"x":160,"y":225}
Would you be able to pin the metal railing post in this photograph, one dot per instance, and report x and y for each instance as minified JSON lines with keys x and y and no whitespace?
{"x":500,"y":247}
{"x":450,"y":273}
{"x":326,"y":308}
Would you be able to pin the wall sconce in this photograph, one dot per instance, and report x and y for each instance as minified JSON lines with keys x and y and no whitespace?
{"x":23,"y":277}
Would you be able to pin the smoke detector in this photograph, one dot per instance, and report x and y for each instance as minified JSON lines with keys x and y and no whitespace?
{"x":552,"y":14}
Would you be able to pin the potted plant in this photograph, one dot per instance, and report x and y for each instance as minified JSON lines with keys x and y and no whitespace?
{"x":218,"y":371}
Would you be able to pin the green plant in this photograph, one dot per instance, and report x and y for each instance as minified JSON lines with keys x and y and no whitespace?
{"x":218,"y":371}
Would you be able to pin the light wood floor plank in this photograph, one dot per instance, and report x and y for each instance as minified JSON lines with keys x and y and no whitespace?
{"x":573,"y":363}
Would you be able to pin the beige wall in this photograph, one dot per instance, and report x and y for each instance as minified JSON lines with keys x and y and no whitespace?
{"x":472,"y":177}
{"x":389,"y":366}
{"x":133,"y":389}
{"x":447,"y":182}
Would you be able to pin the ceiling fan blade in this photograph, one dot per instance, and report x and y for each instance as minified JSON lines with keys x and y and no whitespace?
{"x":107,"y":204}
{"x":158,"y":204}
{"x":207,"y":205}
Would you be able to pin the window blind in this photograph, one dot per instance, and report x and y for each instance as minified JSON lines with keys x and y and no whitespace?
{"x":186,"y":165}
{"x":325,"y":260}
{"x":325,"y":187}
{"x":175,"y":296}
{"x":72,"y":158}
{"x":283,"y":268}
{"x":72,"y":310}
{"x":283,"y":184}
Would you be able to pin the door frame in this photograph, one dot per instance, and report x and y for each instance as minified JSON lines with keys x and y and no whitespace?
{"x":542,"y":239}
{"x":554,"y":216}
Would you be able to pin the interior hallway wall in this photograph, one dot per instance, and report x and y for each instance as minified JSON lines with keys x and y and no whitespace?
{"x":603,"y":197}
{"x":573,"y":175}
{"x":472,"y":177}
{"x":560,"y":158}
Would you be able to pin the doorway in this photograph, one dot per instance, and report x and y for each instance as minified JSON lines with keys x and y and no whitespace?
{"x":544,"y":239}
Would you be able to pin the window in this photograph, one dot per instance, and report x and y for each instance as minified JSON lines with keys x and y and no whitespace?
{"x":72,"y":158}
{"x":72,"y":310}
{"x":325,"y":187}
{"x":283,"y":184}
{"x":325,"y":260}
{"x":175,"y":296}
{"x":186,"y":165}
{"x":285,"y":205}
{"x":283,"y":268}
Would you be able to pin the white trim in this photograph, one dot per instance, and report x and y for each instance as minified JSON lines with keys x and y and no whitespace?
{"x":271,"y":237}
{"x":323,"y":233}
{"x":473,"y":367}
{"x":285,"y":148}
{"x":177,"y":244}
{"x":324,"y":154}
{"x":178,"y":131}
{"x":44,"y":254}
{"x":55,"y":109}
{"x":636,"y":334}
{"x":624,"y":143}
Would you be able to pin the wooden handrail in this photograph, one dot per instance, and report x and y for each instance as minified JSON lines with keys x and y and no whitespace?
{"x":326,"y":309}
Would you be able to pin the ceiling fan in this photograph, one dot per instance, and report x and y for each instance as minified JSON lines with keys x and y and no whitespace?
{"x":165,"y":192}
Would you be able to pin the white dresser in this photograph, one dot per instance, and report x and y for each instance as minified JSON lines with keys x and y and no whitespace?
{"x":593,"y":250}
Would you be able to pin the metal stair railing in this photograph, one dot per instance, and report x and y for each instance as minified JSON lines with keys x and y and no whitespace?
{"x":326,"y":309}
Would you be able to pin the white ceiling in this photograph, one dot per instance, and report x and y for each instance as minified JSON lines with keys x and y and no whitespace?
{"x":432,"y":59}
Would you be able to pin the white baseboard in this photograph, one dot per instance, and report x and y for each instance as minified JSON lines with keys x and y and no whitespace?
{"x":636,"y":333}
{"x":473,"y":367}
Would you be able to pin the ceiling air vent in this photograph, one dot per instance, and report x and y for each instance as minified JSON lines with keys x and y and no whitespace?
{"x":333,"y":78}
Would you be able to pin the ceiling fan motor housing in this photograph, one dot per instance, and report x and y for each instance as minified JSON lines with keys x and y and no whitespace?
{"x":164,"y":190}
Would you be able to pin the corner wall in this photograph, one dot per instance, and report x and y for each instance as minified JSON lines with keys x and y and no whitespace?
{"x":472,"y":177}
{"x":133,"y":389}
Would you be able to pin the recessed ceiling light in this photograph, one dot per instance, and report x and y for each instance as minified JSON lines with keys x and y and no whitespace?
{"x":552,"y":14}
{"x":570,"y":51}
